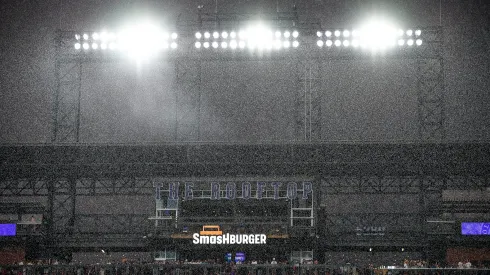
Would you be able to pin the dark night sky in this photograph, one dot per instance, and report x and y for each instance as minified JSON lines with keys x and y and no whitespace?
{"x":370,"y":99}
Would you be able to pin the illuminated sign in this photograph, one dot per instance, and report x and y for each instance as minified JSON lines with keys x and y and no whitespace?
{"x":475,"y":228}
{"x":243,"y":190}
{"x":212,"y":234}
{"x":8,"y":229}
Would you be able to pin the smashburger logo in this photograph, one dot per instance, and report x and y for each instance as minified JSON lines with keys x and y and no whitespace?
{"x":212,"y":234}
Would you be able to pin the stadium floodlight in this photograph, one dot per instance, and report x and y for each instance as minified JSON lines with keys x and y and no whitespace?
{"x":410,"y":42}
{"x":103,"y":46}
{"x":206,"y":45}
{"x":278,"y":34}
{"x":355,"y":33}
{"x":95,"y":36}
{"x":233,"y":35}
{"x":95,"y":46}
{"x":86,"y":46}
{"x":286,"y":44}
{"x":409,"y":32}
{"x":378,"y":35}
{"x":295,"y":34}
{"x":77,"y":36}
{"x":295,"y":43}
{"x":224,"y":45}
{"x":215,"y":44}
{"x":277,"y":44}
{"x":215,"y":35}
{"x":418,"y":42}
{"x":346,"y":33}
{"x":355,"y":43}
{"x":418,"y":32}
{"x":319,"y":33}
{"x":400,"y":32}
{"x":207,"y":35}
{"x":287,"y":34}
{"x":328,"y":34}
{"x":174,"y":35}
{"x":337,"y":33}
{"x":329,"y":43}
{"x":198,"y":35}
{"x":338,"y":43}
{"x":346,"y":43}
{"x":77,"y":46}
{"x":319,"y":43}
{"x":112,"y":46}
{"x":242,"y":34}
{"x":85,"y":36}
{"x":241,"y":44}
{"x":233,"y":44}
{"x":173,"y":45}
{"x":224,"y":35}
{"x":401,"y":42}
{"x":197,"y":44}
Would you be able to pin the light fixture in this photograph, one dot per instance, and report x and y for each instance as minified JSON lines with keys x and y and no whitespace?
{"x":338,"y":43}
{"x":207,"y":35}
{"x":198,"y":35}
{"x":197,"y":44}
{"x":328,"y":33}
{"x":277,"y":34}
{"x":401,"y":42}
{"x":224,"y":35}
{"x":295,"y":34}
{"x":418,"y":32}
{"x":346,"y":33}
{"x":173,"y":45}
{"x":77,"y":46}
{"x":319,"y":33}
{"x":409,"y":32}
{"x":233,"y":44}
{"x":224,"y":45}
{"x":206,"y":45}
{"x":418,"y":42}
{"x":85,"y":36}
{"x":410,"y":42}
{"x":295,"y":44}
{"x":95,"y":36}
{"x":346,"y":43}
{"x":329,"y":43}
{"x":337,"y":33}
{"x":215,"y":44}
{"x":86,"y":46}
{"x":286,"y":44}
{"x":233,"y":35}
{"x":319,"y":43}
{"x":95,"y":46}
{"x":287,"y":34}
{"x":215,"y":35}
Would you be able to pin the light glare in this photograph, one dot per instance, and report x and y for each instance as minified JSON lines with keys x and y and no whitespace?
{"x":329,"y":43}
{"x":338,"y":43}
{"x":86,"y":46}
{"x":197,"y":44}
{"x":328,"y":33}
{"x":224,"y":45}
{"x":319,"y":34}
{"x":287,"y":34}
{"x":95,"y":46}
{"x":77,"y":46}
{"x":337,"y":33}
{"x":215,"y":44}
{"x":346,"y":33}
{"x":224,"y":35}
{"x":215,"y":35}
{"x":295,"y":34}
{"x":418,"y":32}
{"x":295,"y":44}
{"x":319,"y":43}
{"x":206,"y":45}
{"x":346,"y":43}
{"x":174,"y":35}
{"x":410,"y":42}
{"x":198,"y":35}
{"x":418,"y":42}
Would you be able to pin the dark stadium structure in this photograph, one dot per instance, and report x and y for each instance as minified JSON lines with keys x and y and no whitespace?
{"x":320,"y":206}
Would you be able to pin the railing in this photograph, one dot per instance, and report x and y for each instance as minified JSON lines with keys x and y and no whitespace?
{"x":202,"y":268}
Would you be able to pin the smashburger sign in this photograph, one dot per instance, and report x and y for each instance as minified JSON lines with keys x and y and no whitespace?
{"x":212,"y":234}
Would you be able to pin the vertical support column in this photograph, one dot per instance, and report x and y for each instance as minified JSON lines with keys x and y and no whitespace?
{"x":188,"y":97}
{"x":66,"y":105}
{"x":431,"y":89}
{"x":308,"y":101}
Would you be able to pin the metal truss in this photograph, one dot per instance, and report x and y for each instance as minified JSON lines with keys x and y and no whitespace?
{"x":187,"y":93}
{"x":308,"y":101}
{"x":66,"y":107}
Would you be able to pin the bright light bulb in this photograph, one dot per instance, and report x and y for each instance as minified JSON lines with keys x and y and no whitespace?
{"x":215,"y":44}
{"x":86,"y":46}
{"x":329,"y":43}
{"x":278,"y":34}
{"x":77,"y":36}
{"x":418,"y":32}
{"x":319,"y":34}
{"x":346,"y":43}
{"x":355,"y":33}
{"x":346,"y":33}
{"x":233,"y":44}
{"x":400,"y":32}
{"x":418,"y":42}
{"x":112,"y":46}
{"x":287,"y":34}
{"x":410,"y":42}
{"x":233,"y":35}
{"x":224,"y":45}
{"x":224,"y":35}
{"x":206,"y":45}
{"x":401,"y":42}
{"x":85,"y":36}
{"x":95,"y":36}
{"x":242,"y":34}
{"x":207,"y":35}
{"x":77,"y":46}
{"x":295,"y":44}
{"x":319,"y":43}
{"x":103,"y":46}
{"x":355,"y":43}
{"x":174,"y":35}
{"x":95,"y":46}
{"x":328,"y":33}
{"x":241,"y":44}
{"x":286,"y":44}
{"x":295,"y":34}
{"x":277,"y":44}
{"x":337,"y":33}
{"x":409,"y":32}
{"x":338,"y":43}
{"x":198,"y":35}
{"x":197,"y":44}
{"x":173,"y":45}
{"x":216,"y":35}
